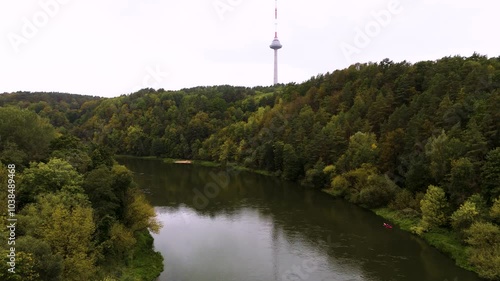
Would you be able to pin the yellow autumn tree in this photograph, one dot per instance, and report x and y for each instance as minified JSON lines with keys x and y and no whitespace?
{"x":139,"y":214}
{"x":68,"y":229}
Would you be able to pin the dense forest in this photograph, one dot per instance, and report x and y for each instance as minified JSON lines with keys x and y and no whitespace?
{"x":417,"y":142}
{"x":78,"y":214}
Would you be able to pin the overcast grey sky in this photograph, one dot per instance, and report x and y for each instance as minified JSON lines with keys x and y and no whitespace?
{"x":115,"y":47}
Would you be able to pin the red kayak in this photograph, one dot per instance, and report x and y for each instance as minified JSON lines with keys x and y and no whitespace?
{"x":386,"y":225}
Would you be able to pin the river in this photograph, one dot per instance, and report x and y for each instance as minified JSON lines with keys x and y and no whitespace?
{"x":221,"y":225}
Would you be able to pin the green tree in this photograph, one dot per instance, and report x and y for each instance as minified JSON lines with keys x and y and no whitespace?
{"x":134,"y":140}
{"x":464,"y":216}
{"x":65,"y":142}
{"x":495,"y":211}
{"x":101,"y":155}
{"x":122,"y":240}
{"x":363,"y":178}
{"x":79,"y":159}
{"x":340,"y":186}
{"x":476,"y":143}
{"x":441,"y":150}
{"x":158,"y":147}
{"x":291,"y":164}
{"x":51,"y":177}
{"x":24,"y":136}
{"x":98,"y":186}
{"x":278,"y":155}
{"x":462,"y":180}
{"x":415,"y":169}
{"x":68,"y":229}
{"x":315,"y":177}
{"x":227,"y":151}
{"x":47,"y":265}
{"x":402,"y":199}
{"x":335,"y":141}
{"x":490,"y":174}
{"x":434,"y":207}
{"x":139,"y":214}
{"x":199,"y":127}
{"x":24,"y":269}
{"x":390,"y":149}
{"x":378,"y":192}
{"x":362,"y":149}
{"x":380,"y":109}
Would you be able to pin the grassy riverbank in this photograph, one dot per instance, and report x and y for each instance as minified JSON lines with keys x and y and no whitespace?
{"x":142,"y":264}
{"x":444,"y":240}
{"x":145,"y":264}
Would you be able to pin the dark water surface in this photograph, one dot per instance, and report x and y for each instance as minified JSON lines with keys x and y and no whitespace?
{"x":225,"y":226}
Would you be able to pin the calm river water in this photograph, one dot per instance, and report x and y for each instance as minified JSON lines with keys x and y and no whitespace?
{"x":239,"y":226}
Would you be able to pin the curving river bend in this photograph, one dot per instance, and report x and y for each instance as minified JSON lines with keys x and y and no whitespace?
{"x":221,"y":225}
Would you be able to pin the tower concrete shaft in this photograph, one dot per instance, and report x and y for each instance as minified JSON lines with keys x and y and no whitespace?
{"x":276,"y":45}
{"x":275,"y":66}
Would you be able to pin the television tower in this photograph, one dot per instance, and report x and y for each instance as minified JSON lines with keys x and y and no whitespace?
{"x":276,"y":45}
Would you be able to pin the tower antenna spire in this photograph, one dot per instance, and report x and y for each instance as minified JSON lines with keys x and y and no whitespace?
{"x":276,"y":45}
{"x":275,"y":18}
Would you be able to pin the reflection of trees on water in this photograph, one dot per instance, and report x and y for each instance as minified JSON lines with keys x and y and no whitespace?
{"x":352,"y":238}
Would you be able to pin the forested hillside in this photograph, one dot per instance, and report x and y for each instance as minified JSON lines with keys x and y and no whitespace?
{"x":421,"y":141}
{"x":62,"y":110}
{"x":73,"y":212}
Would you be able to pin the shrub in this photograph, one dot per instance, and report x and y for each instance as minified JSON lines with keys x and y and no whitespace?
{"x":464,"y":216}
{"x":315,"y":177}
{"x":415,"y":204}
{"x":484,"y":250}
{"x":402,"y":200}
{"x":340,"y":185}
{"x":419,"y":229}
{"x":378,"y":192}
{"x":409,"y":213}
{"x":495,"y":211}
{"x":329,"y":172}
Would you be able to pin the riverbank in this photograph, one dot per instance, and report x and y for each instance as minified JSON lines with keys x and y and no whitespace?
{"x":191,"y":162}
{"x":446,"y":241}
{"x":143,"y":262}
{"x":202,"y":163}
{"x":214,"y":164}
